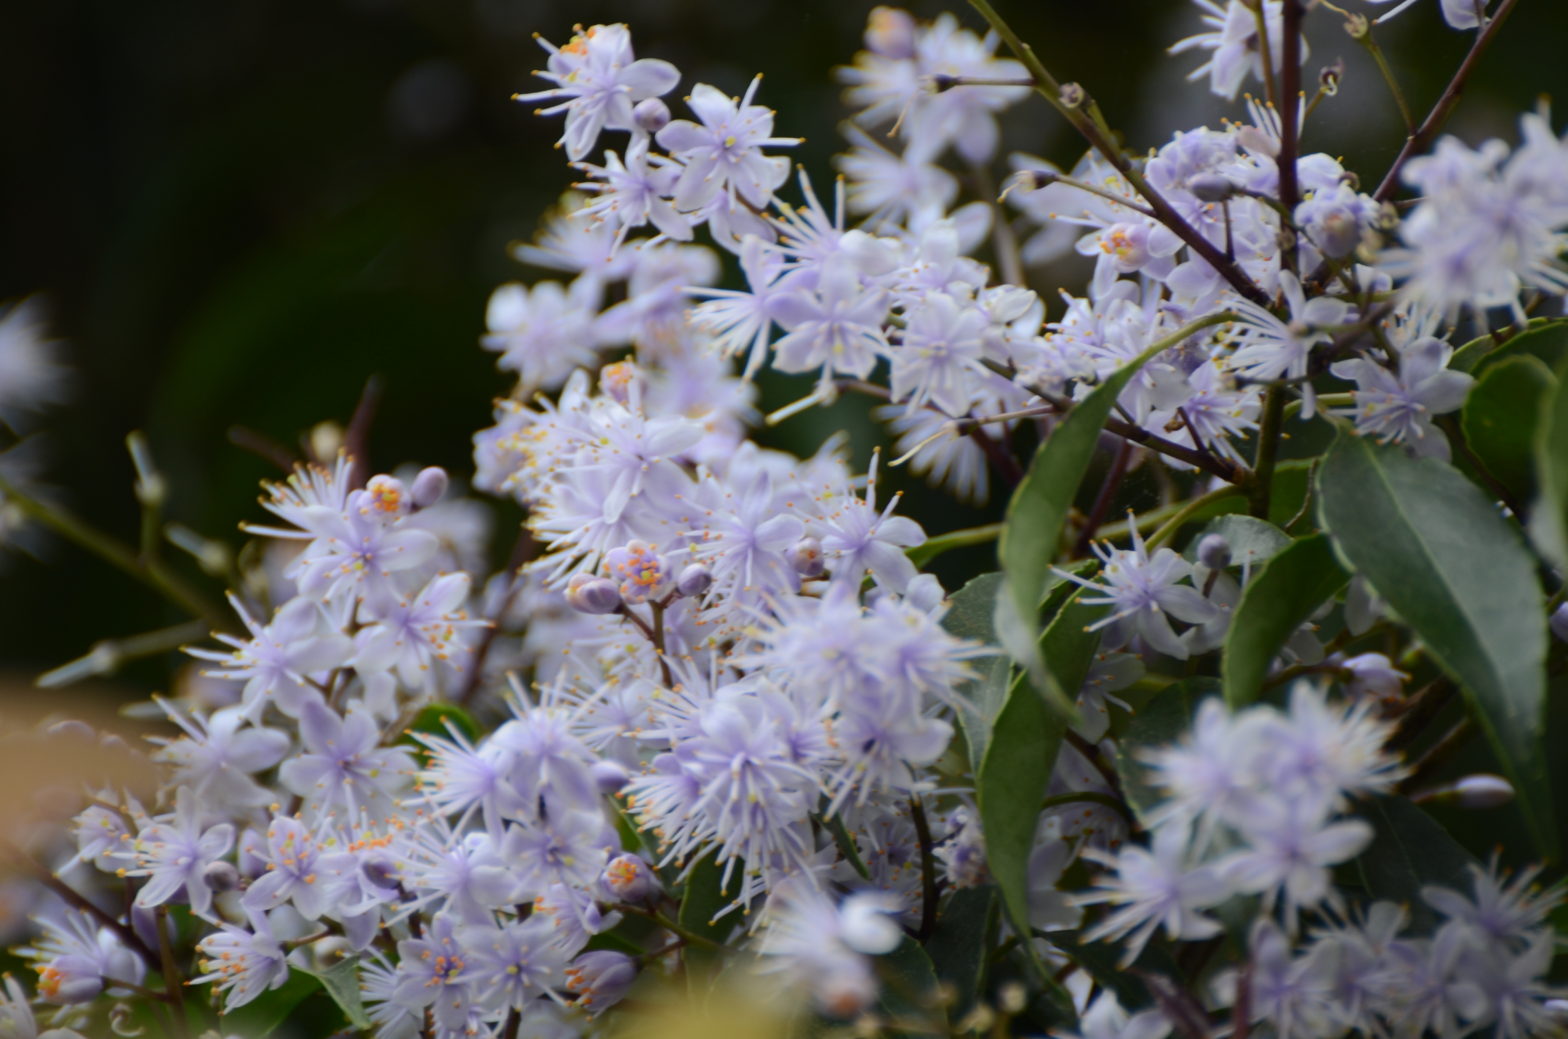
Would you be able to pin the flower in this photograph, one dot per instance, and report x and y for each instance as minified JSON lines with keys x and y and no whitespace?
{"x":597,"y":81}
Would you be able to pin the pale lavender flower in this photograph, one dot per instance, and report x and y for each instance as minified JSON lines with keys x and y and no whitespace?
{"x":542,"y":333}
{"x":279,"y":657}
{"x":218,"y":756}
{"x":242,"y":963}
{"x":836,"y":327}
{"x":174,"y":853}
{"x":597,"y":81}
{"x":1232,"y":37}
{"x":1275,"y":349}
{"x":515,"y":962}
{"x":722,"y":155}
{"x":1154,"y":887}
{"x":342,"y":764}
{"x":635,"y":192}
{"x":412,"y":633}
{"x":1143,"y":589}
{"x":1400,"y":408}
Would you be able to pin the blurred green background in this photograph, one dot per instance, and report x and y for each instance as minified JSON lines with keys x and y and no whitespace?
{"x":238,"y":211}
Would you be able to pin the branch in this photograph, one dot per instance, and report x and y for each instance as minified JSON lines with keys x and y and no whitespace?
{"x":1418,"y":141}
{"x":1075,"y":105}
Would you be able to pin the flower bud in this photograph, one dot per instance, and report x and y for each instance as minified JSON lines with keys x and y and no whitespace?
{"x":806,"y":557}
{"x":600,"y":978}
{"x":629,"y":878}
{"x":588,"y":594}
{"x":1214,"y":552}
{"x":221,"y":876}
{"x":1559,"y":622}
{"x":651,"y":114}
{"x":428,"y":487}
{"x":891,"y":33}
{"x":1072,"y":95}
{"x":1482,"y":791}
{"x":694,"y":580}
{"x":1373,"y":674}
{"x":1211,"y":187}
{"x":868,"y":923}
{"x":609,"y":776}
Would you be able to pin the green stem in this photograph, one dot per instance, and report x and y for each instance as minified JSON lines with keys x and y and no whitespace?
{"x":1387,"y":71}
{"x":150,"y":572}
{"x":1268,"y":450}
{"x":930,"y":548}
{"x":1185,"y":512}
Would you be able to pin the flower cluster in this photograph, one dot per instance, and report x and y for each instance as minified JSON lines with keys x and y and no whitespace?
{"x":712,"y":700}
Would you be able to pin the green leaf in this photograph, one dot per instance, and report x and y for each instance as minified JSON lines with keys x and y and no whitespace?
{"x":1036,"y":513}
{"x":1410,"y":851}
{"x":1276,"y":602}
{"x":1252,"y":541}
{"x":1549,"y":520}
{"x":970,"y":616}
{"x":1164,"y":720}
{"x":1442,"y":556}
{"x":1502,"y":417}
{"x":1009,"y":785}
{"x":706,"y":897}
{"x":1068,"y":646}
{"x":911,"y":995}
{"x":342,"y":983}
{"x":962,"y":940}
{"x":1544,"y":338}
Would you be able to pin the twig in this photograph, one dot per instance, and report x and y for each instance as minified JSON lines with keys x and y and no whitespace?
{"x":1079,"y":109}
{"x":928,"y":890}
{"x":1433,"y":122}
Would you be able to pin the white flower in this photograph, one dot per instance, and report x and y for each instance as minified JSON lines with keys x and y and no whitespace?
{"x":597,"y":81}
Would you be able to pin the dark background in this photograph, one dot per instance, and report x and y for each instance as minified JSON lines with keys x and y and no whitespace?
{"x":237,"y":211}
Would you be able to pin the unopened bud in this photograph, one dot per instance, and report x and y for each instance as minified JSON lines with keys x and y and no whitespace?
{"x":1072,"y":95}
{"x":694,"y":580}
{"x":1211,"y":187}
{"x":891,"y":33}
{"x":1482,"y":791}
{"x":629,"y":878}
{"x":807,"y":559}
{"x":221,"y":877}
{"x":609,"y":776}
{"x":588,"y":594}
{"x":428,"y":487}
{"x":651,"y":114}
{"x":1357,"y":26}
{"x":1214,"y":552}
{"x":1559,"y":622}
